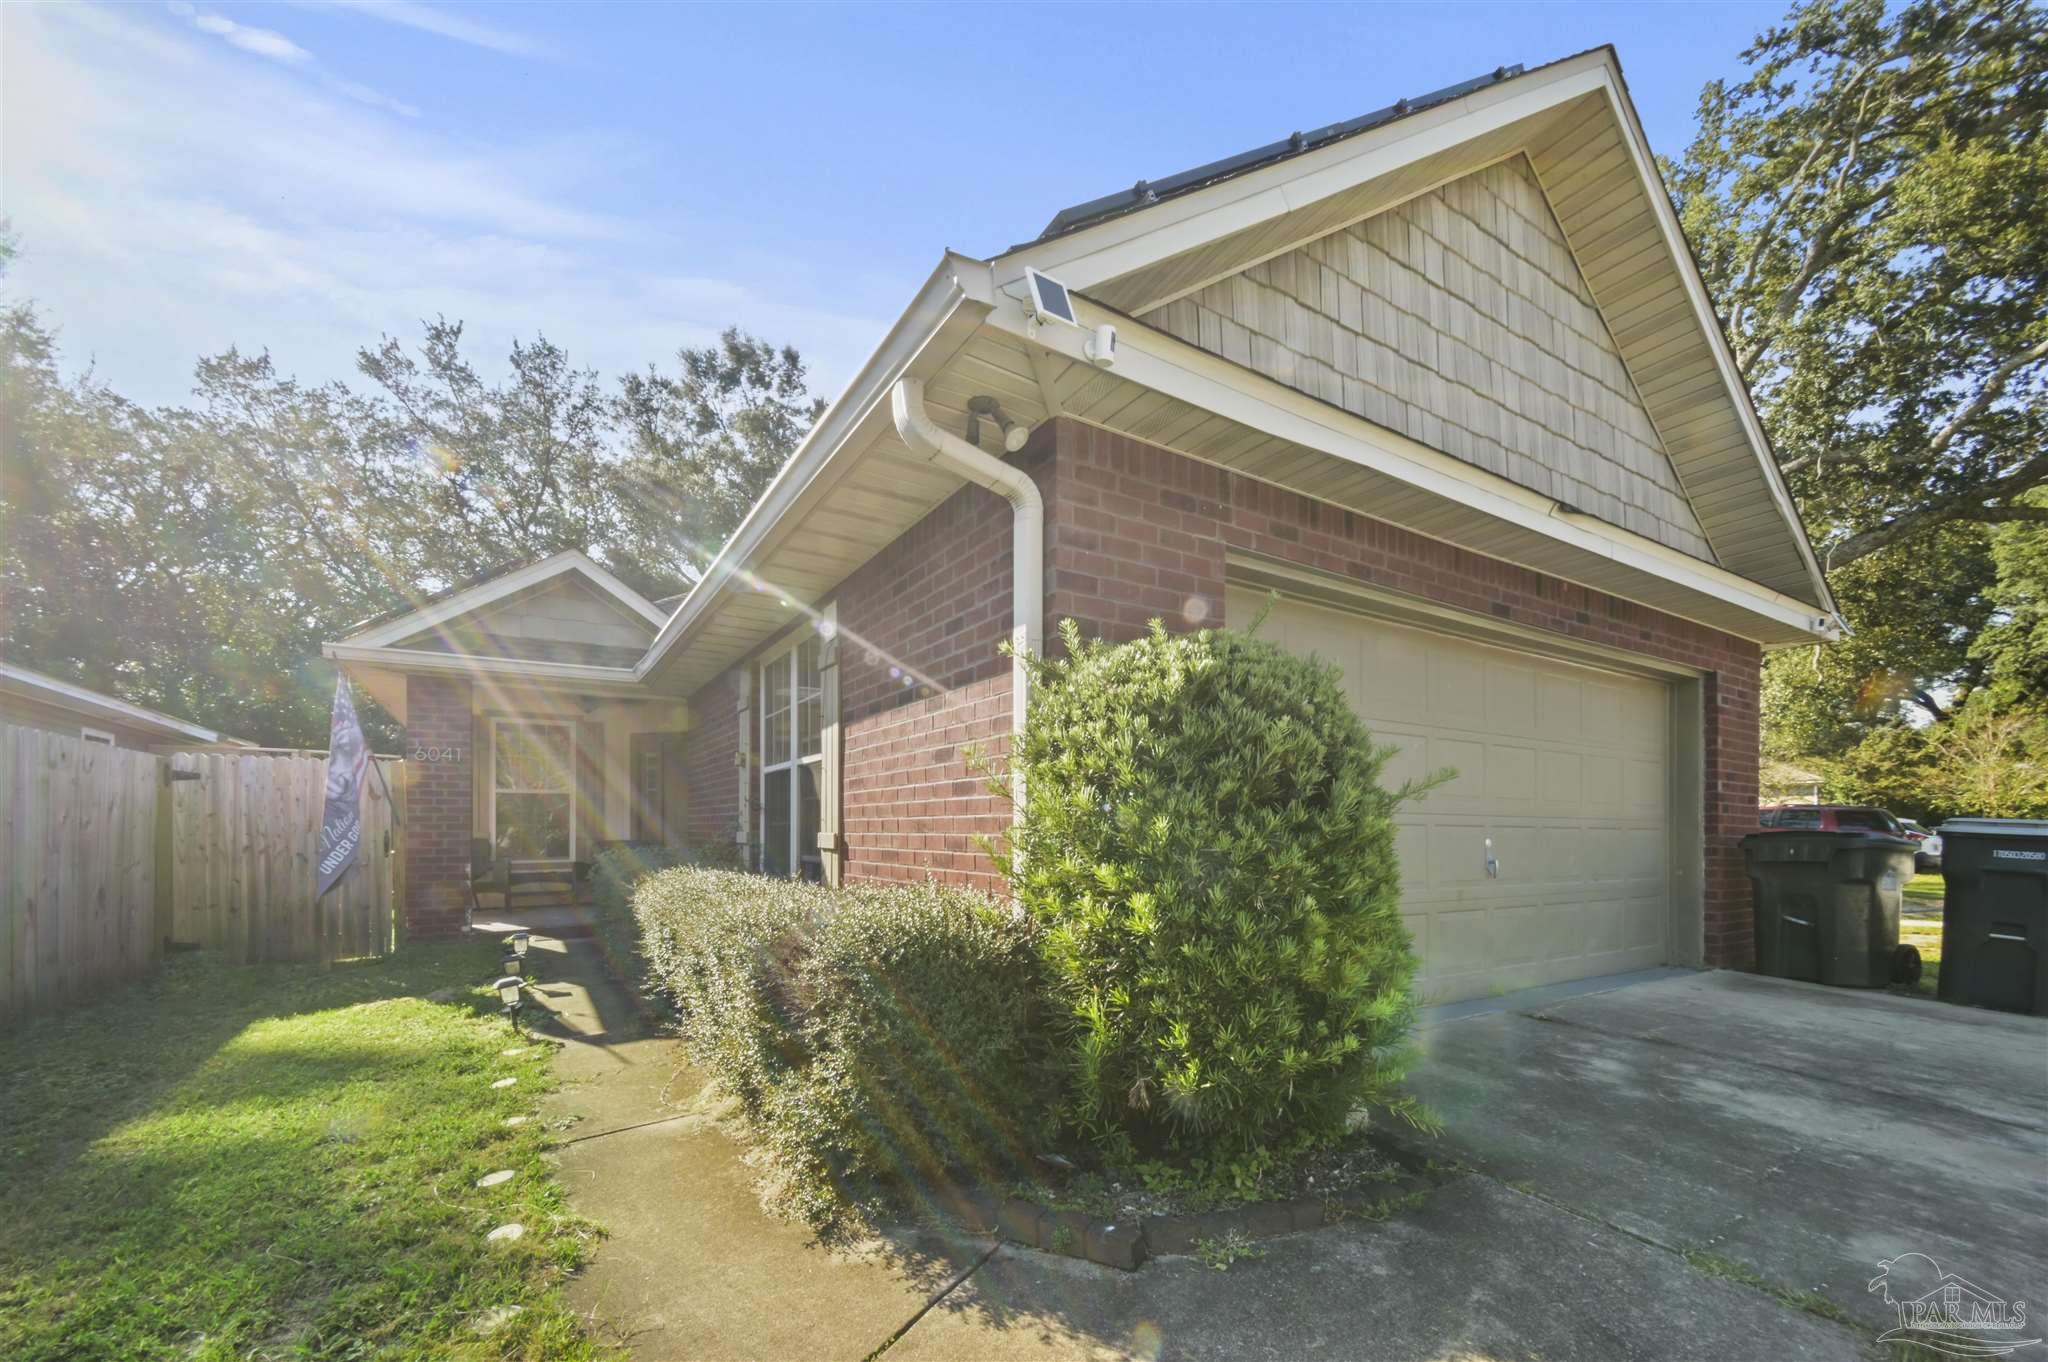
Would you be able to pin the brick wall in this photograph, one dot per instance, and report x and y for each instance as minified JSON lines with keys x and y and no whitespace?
{"x":923,"y":689}
{"x":440,"y":808}
{"x":1136,"y":532}
{"x":710,"y":778}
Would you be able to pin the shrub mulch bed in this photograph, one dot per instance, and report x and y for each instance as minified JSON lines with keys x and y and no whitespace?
{"x":1080,"y":1215}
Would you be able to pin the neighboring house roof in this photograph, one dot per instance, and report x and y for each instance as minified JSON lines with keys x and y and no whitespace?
{"x":94,"y":709}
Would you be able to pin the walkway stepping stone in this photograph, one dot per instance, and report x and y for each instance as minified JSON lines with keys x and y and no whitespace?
{"x":517,"y":1120}
{"x":505,"y":1234}
{"x":505,"y":1082}
{"x":493,"y":1179}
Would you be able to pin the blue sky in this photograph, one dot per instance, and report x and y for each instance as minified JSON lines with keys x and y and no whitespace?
{"x":629,"y":179}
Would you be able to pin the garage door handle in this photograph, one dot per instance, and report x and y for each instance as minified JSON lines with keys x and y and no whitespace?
{"x":1492,"y":862}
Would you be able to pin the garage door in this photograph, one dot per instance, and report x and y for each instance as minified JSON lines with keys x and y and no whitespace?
{"x":1563,"y":779}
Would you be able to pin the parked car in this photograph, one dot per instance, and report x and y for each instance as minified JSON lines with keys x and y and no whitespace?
{"x":1926,"y":845}
{"x":1831,"y":818}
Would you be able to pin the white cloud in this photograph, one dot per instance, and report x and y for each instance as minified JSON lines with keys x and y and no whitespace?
{"x":173,"y":198}
{"x":442,"y":23}
{"x":264,"y":42}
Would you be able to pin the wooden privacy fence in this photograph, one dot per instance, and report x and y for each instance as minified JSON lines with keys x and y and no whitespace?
{"x":106,"y":854}
{"x":78,"y":867}
{"x":244,"y":836}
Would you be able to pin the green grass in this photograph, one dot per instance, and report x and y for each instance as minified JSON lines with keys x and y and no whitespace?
{"x":1925,"y":933}
{"x":280,"y":1161}
{"x":1732,"y":1270}
{"x":1925,"y":891}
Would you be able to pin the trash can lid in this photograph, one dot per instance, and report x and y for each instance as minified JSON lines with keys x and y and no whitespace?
{"x":1995,"y":827}
{"x":1833,"y":837}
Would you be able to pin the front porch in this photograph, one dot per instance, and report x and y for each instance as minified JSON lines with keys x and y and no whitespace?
{"x":530,"y":744}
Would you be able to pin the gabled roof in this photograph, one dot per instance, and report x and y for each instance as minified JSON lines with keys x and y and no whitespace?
{"x":93,"y":706}
{"x":1574,"y":121}
{"x":1145,"y":193}
{"x":496,"y":585}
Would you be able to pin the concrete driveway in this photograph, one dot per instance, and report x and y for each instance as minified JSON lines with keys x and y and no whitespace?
{"x":1789,"y":1134}
{"x":1661,"y":1171}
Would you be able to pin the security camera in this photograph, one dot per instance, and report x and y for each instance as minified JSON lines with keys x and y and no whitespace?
{"x":1101,"y":346}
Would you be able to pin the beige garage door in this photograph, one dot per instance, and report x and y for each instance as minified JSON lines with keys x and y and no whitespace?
{"x":1563,"y":777}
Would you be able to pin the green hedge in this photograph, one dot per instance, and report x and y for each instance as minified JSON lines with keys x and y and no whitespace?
{"x":875,"y":1037}
{"x":1208,"y":847}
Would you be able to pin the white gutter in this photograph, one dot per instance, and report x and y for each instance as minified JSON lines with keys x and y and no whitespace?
{"x":928,"y":440}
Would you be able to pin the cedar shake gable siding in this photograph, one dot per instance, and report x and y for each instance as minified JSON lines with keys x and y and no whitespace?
{"x":1459,"y":319}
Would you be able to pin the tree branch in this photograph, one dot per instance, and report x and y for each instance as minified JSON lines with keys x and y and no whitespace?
{"x":1970,"y":505}
{"x":1993,"y":386}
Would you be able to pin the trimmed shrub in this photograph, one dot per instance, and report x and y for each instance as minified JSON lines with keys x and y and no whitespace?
{"x":1208,"y":849}
{"x":620,"y":867}
{"x":874,"y":1037}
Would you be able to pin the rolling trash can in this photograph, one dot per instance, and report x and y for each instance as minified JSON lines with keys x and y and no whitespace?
{"x":1827,"y":906}
{"x":1994,"y":930}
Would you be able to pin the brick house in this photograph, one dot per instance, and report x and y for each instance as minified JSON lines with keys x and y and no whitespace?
{"x":1442,"y":383}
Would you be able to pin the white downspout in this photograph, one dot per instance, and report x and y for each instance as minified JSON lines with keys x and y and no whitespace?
{"x":928,"y":440}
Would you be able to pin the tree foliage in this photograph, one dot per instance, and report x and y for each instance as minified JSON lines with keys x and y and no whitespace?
{"x":194,"y":558}
{"x":1208,"y":847}
{"x":1865,"y":206}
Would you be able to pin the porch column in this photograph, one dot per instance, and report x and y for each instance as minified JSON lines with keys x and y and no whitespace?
{"x":440,"y":806}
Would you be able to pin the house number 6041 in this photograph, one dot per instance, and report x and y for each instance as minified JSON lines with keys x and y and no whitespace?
{"x":434,"y":755}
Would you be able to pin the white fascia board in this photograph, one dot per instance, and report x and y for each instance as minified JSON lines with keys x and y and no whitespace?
{"x":1176,"y":369}
{"x":572,"y":675}
{"x":1710,"y":322}
{"x":941,"y":296}
{"x":509,"y":584}
{"x":1184,"y":222}
{"x":94,"y":704}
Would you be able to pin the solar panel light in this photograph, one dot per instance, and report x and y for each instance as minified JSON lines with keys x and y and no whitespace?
{"x":520,"y":941}
{"x":512,"y":964}
{"x":508,"y":994}
{"x":1047,"y":300}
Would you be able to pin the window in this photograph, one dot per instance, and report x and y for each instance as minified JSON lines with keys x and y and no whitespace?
{"x":792,"y":760}
{"x":533,"y":794}
{"x":1867,"y":820}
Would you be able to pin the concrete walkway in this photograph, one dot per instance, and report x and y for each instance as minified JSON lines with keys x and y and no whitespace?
{"x":692,"y":1269}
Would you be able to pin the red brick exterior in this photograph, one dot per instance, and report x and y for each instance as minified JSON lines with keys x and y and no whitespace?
{"x":1135,"y":532}
{"x":710,"y":777}
{"x":440,"y":808}
{"x":923,"y":692}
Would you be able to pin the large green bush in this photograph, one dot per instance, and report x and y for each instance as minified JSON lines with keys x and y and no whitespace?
{"x":1208,"y":848}
{"x":873,"y":1036}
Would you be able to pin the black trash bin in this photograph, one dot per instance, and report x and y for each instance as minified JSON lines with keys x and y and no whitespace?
{"x":1994,"y":930}
{"x":1827,"y":904}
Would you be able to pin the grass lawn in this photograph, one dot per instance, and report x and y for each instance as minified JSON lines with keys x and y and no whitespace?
{"x":1924,"y":891}
{"x":280,"y":1161}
